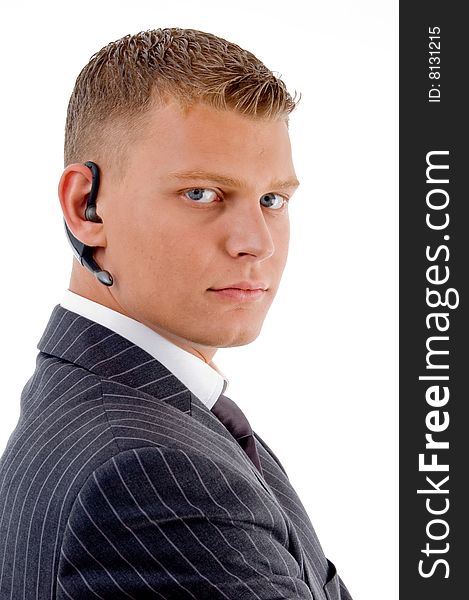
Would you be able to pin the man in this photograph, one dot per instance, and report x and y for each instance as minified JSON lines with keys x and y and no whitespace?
{"x":130,"y":474}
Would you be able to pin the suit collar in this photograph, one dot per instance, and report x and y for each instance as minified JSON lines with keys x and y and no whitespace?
{"x":205,"y":381}
{"x":107,"y":354}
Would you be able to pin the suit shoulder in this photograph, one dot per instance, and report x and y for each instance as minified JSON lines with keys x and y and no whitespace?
{"x":163,"y":481}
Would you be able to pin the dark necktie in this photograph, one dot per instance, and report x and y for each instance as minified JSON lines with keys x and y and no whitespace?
{"x":237,"y":424}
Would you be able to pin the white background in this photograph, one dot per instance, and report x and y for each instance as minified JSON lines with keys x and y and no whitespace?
{"x":320,"y":383}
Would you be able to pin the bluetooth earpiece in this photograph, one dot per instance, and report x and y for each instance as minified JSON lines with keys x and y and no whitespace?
{"x":83,"y":252}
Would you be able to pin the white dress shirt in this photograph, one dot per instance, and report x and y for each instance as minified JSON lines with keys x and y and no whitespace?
{"x":204,"y":381}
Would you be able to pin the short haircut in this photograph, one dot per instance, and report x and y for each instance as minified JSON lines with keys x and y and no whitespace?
{"x":122,"y":81}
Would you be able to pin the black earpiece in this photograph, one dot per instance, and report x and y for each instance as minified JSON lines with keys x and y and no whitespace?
{"x":83,"y":252}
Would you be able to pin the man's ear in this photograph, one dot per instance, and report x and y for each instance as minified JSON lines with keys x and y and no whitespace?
{"x":74,"y":189}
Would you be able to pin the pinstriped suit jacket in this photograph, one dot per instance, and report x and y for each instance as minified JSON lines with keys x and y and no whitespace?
{"x":119,"y":483}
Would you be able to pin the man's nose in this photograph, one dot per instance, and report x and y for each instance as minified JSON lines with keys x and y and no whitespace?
{"x":248,"y":233}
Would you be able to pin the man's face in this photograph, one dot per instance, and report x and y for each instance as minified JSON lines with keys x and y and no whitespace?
{"x":199,"y":208}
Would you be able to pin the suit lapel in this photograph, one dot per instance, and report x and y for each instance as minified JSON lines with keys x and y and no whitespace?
{"x":205,"y":416}
{"x":304,"y":541}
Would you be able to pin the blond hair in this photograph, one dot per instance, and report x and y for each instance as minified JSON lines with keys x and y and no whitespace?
{"x":124,"y":79}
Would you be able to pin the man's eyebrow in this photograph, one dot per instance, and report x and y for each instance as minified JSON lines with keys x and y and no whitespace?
{"x":292,"y":182}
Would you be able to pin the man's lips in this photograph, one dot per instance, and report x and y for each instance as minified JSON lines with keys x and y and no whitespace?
{"x":243,"y":285}
{"x":242,"y":291}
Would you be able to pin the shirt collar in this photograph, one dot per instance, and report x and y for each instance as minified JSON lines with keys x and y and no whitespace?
{"x":204,"y":381}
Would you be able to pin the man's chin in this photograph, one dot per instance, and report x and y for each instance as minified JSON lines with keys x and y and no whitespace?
{"x":231,"y":339}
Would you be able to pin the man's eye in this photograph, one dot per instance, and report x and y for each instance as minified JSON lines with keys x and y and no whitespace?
{"x":271,"y":200}
{"x":201,"y":195}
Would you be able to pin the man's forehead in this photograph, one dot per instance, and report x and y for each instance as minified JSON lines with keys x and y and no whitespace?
{"x":216,"y":146}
